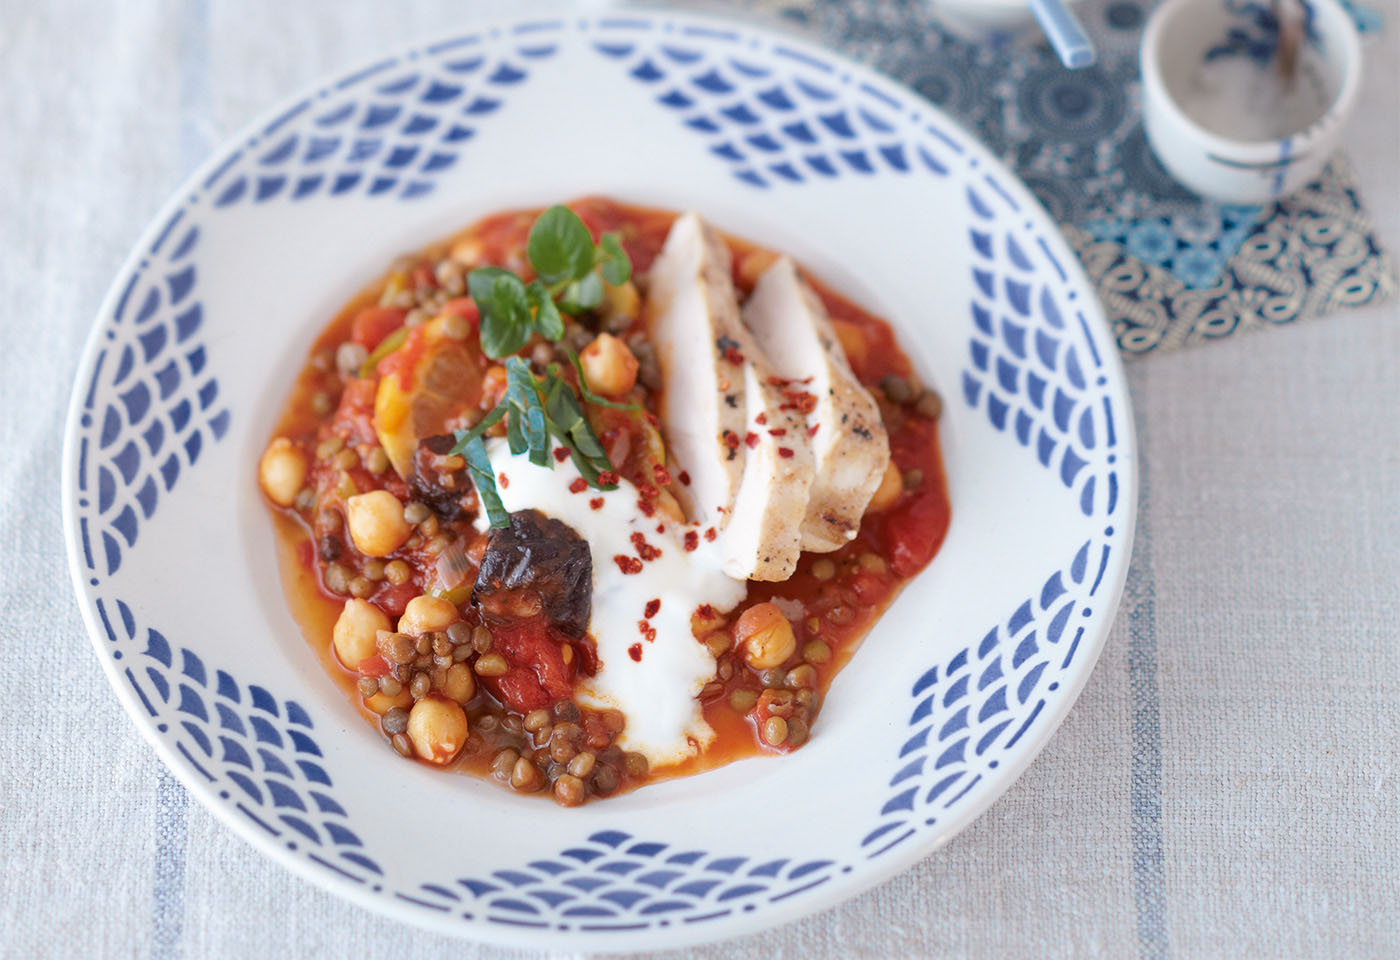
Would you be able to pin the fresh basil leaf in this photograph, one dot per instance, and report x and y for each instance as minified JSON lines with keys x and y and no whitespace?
{"x":515,"y":433}
{"x":582,"y":295}
{"x":560,"y":246}
{"x":589,"y":395}
{"x":484,"y":478}
{"x":505,"y":310}
{"x":537,"y":437}
{"x":547,"y":319}
{"x":572,"y":427}
{"x":616,"y":266}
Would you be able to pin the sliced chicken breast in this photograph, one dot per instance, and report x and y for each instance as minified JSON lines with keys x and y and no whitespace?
{"x":850,"y":448}
{"x":764,"y":537}
{"x":692,"y":314}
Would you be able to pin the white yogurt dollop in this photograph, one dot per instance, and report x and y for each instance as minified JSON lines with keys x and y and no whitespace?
{"x":652,"y":677}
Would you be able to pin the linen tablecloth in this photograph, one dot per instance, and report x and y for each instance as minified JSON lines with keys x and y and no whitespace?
{"x":1227,"y":785}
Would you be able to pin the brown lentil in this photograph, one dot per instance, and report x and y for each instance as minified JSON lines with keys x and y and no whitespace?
{"x":775,"y":731}
{"x":913,"y":479}
{"x":421,"y":686}
{"x":823,"y":569}
{"x":395,"y":721}
{"x":486,"y":722}
{"x":305,"y":498}
{"x":930,"y":405}
{"x":337,"y":579}
{"x":481,"y":640}
{"x":461,"y":653}
{"x":536,"y":719}
{"x":504,"y":762}
{"x":459,"y":633}
{"x":636,"y":764}
{"x":329,"y":447}
{"x":567,"y":711}
{"x":456,"y":327}
{"x":321,"y":403}
{"x":368,"y":686}
{"x":323,"y":360}
{"x":711,"y":690}
{"x":718,"y":643}
{"x":361,"y":587}
{"x":896,"y":389}
{"x":568,"y":790}
{"x":376,"y":461}
{"x":429,"y":526}
{"x":582,"y":765}
{"x":415,"y":513}
{"x":524,"y":775}
{"x":458,"y":683}
{"x":402,"y":744}
{"x":808,"y":699}
{"x":511,"y":724}
{"x":814,"y":625}
{"x":423,"y":643}
{"x":802,"y":677}
{"x":605,"y":780}
{"x":438,"y":543}
{"x":773,"y":678}
{"x":491,"y":665}
{"x":562,"y":750}
{"x":390,"y":687}
{"x":397,"y":572}
{"x":442,"y":644}
{"x":743,"y":700}
{"x":797,"y":731}
{"x":346,"y":459}
{"x":416,"y":318}
{"x":373,"y":569}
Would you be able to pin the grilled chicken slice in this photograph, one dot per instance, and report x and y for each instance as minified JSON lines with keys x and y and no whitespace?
{"x":764,"y":535}
{"x":732,"y":431}
{"x":850,"y":448}
{"x":692,"y":315}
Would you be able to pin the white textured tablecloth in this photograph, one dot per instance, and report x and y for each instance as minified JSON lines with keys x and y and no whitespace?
{"x":1227,"y":786}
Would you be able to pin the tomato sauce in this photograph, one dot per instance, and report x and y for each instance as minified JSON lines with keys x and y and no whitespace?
{"x":832,"y":600}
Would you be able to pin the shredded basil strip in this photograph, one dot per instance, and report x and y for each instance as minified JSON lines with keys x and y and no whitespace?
{"x":592,"y":397}
{"x":485,"y":479}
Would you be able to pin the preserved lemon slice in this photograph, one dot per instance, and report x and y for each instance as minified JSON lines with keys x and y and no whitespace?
{"x":428,"y":381}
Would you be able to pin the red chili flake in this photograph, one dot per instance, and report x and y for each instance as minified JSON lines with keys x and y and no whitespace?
{"x":778,"y":432}
{"x":652,"y":419}
{"x":799,"y":400}
{"x":607,"y":478}
{"x":784,"y":452}
{"x":692,"y":540}
{"x":731,"y":439}
{"x":705,"y":612}
{"x":561,"y":454}
{"x":628,"y":565}
{"x":710,"y":534}
{"x":647,"y":491}
{"x":778,"y":381}
{"x":653,"y":605}
{"x":644,"y":550}
{"x":812,"y":430}
{"x":647,"y":631}
{"x":660,"y":474}
{"x":648,"y":507}
{"x":685,"y":478}
{"x":596,"y":503}
{"x":661,"y":528}
{"x":503,"y":480}
{"x":761,"y":419}
{"x":578,"y":485}
{"x":751,"y":439}
{"x":729,"y":350}
{"x":635,"y":652}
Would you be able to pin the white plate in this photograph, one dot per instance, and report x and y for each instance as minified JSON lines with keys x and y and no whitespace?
{"x":955,"y":690}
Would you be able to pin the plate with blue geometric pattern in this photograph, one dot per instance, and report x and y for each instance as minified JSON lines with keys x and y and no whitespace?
{"x":952,"y":694}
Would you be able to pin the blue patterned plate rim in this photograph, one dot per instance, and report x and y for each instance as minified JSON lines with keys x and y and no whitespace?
{"x":1039,"y":376}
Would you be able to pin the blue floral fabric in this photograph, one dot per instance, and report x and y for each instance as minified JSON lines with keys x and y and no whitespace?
{"x":1171,"y":268}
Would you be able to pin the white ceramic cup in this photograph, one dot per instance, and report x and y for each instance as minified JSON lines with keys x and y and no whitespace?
{"x":1246,"y":170}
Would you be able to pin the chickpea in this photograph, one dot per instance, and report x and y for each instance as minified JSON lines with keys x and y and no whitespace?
{"x":609,"y":366}
{"x":438,"y":728}
{"x":765,"y":635}
{"x":620,"y":302}
{"x":376,"y":523}
{"x":891,"y":486}
{"x":425,"y":614}
{"x":459,"y":684}
{"x":281,"y":471}
{"x":381,"y":703}
{"x":356,"y":632}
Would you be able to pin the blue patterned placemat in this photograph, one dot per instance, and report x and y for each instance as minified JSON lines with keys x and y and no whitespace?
{"x":1171,"y":268}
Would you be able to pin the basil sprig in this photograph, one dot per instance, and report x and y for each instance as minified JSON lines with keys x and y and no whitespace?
{"x":536,"y":410}
{"x":570,"y":271}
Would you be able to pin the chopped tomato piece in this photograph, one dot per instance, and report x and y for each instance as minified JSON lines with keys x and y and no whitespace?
{"x":392,"y":598}
{"x":373,"y":324}
{"x":538,"y":674}
{"x":464,"y":307}
{"x":375,"y":666}
{"x":356,"y":411}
